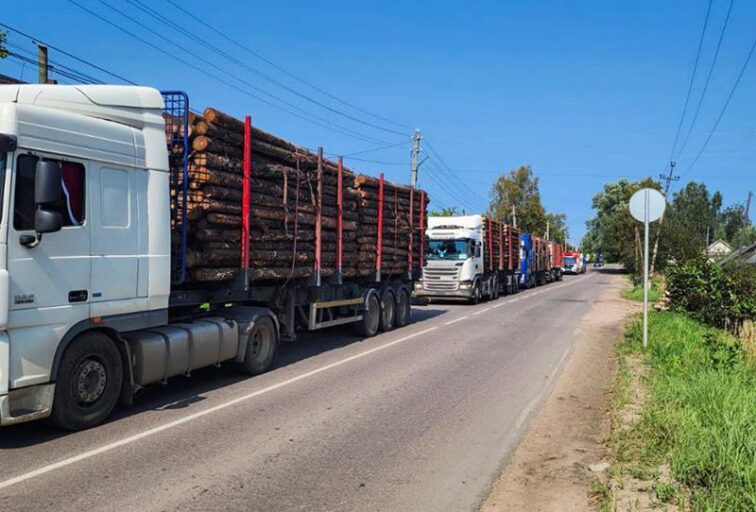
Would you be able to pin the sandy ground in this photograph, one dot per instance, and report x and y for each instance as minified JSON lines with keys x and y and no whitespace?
{"x":550,"y":470}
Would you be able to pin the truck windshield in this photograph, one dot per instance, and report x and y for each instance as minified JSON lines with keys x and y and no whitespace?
{"x":448,"y":250}
{"x":569,"y":261}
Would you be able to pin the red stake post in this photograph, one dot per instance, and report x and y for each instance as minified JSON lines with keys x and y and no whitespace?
{"x":422,"y":229}
{"x":247,"y":171}
{"x":379,"y":245}
{"x":501,"y":246}
{"x":411,"y":229}
{"x":319,"y":218}
{"x":340,"y":221}
{"x":490,"y":243}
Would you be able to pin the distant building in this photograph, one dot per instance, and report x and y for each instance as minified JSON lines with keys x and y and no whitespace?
{"x":745,"y":255}
{"x":718,"y":250}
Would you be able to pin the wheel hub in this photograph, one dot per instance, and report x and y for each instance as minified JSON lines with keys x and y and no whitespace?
{"x":90,"y":382}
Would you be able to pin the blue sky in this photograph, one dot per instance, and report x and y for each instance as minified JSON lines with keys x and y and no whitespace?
{"x":584,"y":92}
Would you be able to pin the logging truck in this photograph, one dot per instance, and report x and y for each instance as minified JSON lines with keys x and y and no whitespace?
{"x":469,"y":257}
{"x":98,"y":293}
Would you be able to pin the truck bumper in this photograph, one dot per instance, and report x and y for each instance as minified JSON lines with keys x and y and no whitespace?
{"x":26,"y":404}
{"x":451,"y":294}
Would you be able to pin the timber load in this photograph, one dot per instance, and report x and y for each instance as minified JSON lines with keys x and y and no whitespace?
{"x":502,"y":245}
{"x":306,"y":214}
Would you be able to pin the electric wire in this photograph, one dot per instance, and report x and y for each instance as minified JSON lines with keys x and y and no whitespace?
{"x":692,"y":79}
{"x":67,"y":54}
{"x":708,"y":80}
{"x":231,"y":75}
{"x":155,"y":47}
{"x":724,"y":107}
{"x":155,"y":15}
{"x":280,"y":68}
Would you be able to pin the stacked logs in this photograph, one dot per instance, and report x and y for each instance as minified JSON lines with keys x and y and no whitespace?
{"x":288,"y":186}
{"x":502,"y":252}
{"x":400,"y":235}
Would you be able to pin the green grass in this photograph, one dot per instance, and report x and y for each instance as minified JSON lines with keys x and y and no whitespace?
{"x":636,"y":292}
{"x":700,"y":416}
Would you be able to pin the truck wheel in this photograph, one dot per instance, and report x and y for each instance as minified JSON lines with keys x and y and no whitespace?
{"x":476,"y":294}
{"x":371,"y":317}
{"x":388,"y":311}
{"x":89,"y":382}
{"x":403,"y":309}
{"x":262,"y":346}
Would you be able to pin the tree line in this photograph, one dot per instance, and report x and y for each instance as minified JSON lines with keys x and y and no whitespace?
{"x":515,"y":197}
{"x":694,"y":218}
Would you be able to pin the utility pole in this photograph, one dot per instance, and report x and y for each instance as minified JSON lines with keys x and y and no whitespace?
{"x":748,"y":208}
{"x":42,"y":63}
{"x":514,"y":217}
{"x":415,"y":157}
{"x":547,"y":230}
{"x":668,"y":178}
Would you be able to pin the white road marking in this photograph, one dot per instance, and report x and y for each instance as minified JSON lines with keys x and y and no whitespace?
{"x":456,"y":320}
{"x":482,"y":311}
{"x":225,"y":405}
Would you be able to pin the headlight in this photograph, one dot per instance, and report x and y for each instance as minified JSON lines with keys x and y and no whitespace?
{"x":418,"y":286}
{"x":464,"y":286}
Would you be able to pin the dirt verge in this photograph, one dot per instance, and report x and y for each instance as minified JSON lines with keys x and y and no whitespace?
{"x":563,"y":452}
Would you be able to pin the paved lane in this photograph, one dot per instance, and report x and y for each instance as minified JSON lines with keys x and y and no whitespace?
{"x":420,"y":418}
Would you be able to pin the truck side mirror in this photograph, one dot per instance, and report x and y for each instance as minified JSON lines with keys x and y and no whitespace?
{"x":47,"y":221}
{"x":48,"y":190}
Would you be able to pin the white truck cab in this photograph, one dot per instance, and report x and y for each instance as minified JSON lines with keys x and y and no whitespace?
{"x":84,"y":236}
{"x":454,"y":260}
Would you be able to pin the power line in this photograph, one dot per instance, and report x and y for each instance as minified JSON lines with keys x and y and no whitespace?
{"x":67,"y":54}
{"x":54,"y":66}
{"x":449,"y":173}
{"x":155,"y":15}
{"x":708,"y":79}
{"x":304,"y":116}
{"x":724,"y":107}
{"x":281,"y":69}
{"x":692,"y":79}
{"x":227,"y":73}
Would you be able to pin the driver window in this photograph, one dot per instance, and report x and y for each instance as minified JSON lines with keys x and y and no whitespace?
{"x":71,"y":206}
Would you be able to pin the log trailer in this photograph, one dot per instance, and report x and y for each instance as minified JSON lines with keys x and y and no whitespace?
{"x":471,"y":257}
{"x":535,"y":268}
{"x":94,"y":300}
{"x":556,"y":260}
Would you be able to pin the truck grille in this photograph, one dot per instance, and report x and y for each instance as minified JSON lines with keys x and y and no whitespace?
{"x":441,"y":279}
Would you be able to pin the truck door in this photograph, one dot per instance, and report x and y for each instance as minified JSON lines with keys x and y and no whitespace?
{"x":115,"y":258}
{"x":49,"y":283}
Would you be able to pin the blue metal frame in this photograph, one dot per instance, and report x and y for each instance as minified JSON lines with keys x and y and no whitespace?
{"x":176,"y":113}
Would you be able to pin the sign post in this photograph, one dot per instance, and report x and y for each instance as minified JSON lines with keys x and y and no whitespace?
{"x":646,"y":206}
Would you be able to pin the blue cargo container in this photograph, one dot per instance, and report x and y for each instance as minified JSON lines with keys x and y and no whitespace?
{"x":527,"y":271}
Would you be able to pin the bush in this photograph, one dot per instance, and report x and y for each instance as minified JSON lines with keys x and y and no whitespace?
{"x":722,"y":297}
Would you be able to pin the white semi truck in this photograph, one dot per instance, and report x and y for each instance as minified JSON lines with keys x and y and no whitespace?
{"x":88,"y":313}
{"x":469,"y":257}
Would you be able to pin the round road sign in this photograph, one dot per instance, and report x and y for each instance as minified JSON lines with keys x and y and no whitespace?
{"x":647,"y":198}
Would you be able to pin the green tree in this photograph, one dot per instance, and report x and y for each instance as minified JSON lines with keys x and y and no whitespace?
{"x":691,"y":223}
{"x":731,"y":222}
{"x":613,"y":229}
{"x":444,"y":212}
{"x":519,"y":188}
{"x":558,"y":227}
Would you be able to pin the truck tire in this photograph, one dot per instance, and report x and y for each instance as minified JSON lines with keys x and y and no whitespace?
{"x":388,"y":310}
{"x":371,"y":317}
{"x":262,"y":346}
{"x":89,"y":382}
{"x":476,"y":294}
{"x":403,"y":308}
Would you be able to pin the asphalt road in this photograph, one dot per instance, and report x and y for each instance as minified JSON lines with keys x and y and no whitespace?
{"x":420,"y":418}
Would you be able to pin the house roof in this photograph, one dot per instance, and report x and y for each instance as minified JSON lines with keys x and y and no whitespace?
{"x":746,"y":254}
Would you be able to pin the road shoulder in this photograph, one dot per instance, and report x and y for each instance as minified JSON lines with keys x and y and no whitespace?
{"x":555,"y":463}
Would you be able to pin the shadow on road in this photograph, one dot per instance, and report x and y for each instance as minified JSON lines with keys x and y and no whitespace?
{"x":183,"y":392}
